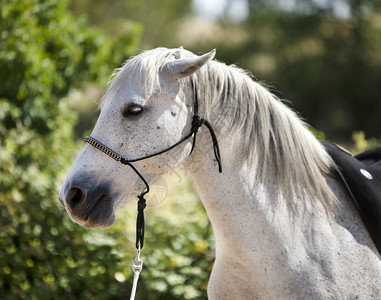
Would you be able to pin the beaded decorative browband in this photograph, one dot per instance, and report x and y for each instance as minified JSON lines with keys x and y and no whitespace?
{"x":197,"y":122}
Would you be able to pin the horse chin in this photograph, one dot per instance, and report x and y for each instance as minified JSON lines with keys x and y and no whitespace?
{"x":100,"y":216}
{"x":95,"y":220}
{"x":99,"y":222}
{"x":96,"y":224}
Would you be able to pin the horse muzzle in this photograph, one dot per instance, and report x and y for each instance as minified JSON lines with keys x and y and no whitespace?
{"x":89,"y":206}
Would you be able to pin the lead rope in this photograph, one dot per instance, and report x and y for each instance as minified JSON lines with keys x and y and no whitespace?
{"x":137,"y":264}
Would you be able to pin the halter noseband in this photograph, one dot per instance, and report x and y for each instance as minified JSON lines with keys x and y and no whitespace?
{"x":197,"y":122}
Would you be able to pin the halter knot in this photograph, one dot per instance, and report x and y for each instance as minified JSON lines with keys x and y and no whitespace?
{"x":124,"y":161}
{"x":141,"y":203}
{"x":196,"y":123}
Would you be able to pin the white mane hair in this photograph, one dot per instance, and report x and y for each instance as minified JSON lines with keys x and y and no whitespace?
{"x":279,"y":145}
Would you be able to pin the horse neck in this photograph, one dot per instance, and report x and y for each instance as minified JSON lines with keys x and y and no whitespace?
{"x":248,"y":227}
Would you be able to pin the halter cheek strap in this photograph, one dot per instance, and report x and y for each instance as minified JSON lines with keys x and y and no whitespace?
{"x":197,"y":122}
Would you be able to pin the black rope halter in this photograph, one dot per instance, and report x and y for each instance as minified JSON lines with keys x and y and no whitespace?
{"x":197,"y":122}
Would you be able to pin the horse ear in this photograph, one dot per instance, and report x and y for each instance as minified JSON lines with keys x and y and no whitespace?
{"x":184,"y":67}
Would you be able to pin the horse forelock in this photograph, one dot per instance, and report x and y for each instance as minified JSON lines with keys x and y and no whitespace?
{"x":278,"y":143}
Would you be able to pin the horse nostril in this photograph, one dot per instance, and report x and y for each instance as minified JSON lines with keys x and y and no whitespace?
{"x":74,"y":197}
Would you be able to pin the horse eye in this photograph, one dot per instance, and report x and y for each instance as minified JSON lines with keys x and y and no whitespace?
{"x":132,"y":110}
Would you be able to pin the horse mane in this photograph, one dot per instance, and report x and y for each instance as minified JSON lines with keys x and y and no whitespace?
{"x":279,"y":144}
{"x":276,"y":142}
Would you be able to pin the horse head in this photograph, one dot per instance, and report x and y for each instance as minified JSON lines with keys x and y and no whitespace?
{"x":147,"y":108}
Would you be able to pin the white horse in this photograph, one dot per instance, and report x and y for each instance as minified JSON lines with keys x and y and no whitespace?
{"x":285,"y":228}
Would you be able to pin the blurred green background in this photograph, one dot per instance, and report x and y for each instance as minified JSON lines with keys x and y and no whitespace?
{"x":55,"y":60}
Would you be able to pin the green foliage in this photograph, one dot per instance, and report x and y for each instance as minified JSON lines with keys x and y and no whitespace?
{"x":44,"y":52}
{"x":161,"y":19}
{"x":361,"y":143}
{"x":317,"y":133}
